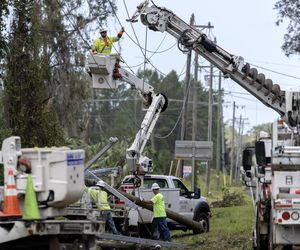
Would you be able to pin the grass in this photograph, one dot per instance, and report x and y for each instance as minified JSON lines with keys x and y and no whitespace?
{"x":230,"y":228}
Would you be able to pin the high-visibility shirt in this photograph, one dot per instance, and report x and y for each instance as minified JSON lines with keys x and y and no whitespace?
{"x":159,"y":206}
{"x":104,"y":45}
{"x":100,"y":198}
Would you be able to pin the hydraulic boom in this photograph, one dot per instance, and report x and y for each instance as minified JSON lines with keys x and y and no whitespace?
{"x":286,"y":103}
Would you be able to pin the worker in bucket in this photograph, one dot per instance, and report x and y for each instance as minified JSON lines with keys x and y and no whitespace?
{"x":99,"y":196}
{"x":159,"y":213}
{"x":104,"y":43}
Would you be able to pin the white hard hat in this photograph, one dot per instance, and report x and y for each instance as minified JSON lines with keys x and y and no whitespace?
{"x":100,"y":184}
{"x":154,"y":186}
{"x":103,"y":29}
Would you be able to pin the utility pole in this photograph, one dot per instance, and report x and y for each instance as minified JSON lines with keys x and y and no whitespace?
{"x":232,"y":145}
{"x":194,"y":124}
{"x":218,"y":162}
{"x":209,"y":129}
{"x":239,"y":148}
{"x":223,"y":147}
{"x":186,"y":82}
{"x":237,"y":155}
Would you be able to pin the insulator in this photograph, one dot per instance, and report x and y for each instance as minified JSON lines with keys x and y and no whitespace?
{"x":268,"y":85}
{"x":246,"y":70}
{"x":261,"y":80}
{"x":276,"y":91}
{"x":253,"y":74}
{"x":281,"y":96}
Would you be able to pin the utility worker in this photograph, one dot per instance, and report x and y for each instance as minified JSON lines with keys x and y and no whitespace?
{"x":99,"y":196}
{"x":159,"y":213}
{"x":103,"y":44}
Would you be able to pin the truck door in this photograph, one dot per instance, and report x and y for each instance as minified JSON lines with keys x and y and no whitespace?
{"x":185,"y":201}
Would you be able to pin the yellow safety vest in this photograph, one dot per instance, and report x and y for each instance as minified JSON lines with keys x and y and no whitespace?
{"x":159,"y":209}
{"x":104,"y":46}
{"x":100,"y":199}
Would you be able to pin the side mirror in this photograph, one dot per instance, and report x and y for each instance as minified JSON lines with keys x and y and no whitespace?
{"x":197,"y":193}
{"x":260,"y":153}
{"x":247,"y":159}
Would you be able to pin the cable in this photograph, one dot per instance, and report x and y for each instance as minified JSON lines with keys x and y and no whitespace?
{"x":278,"y":64}
{"x":276,"y":72}
{"x":75,"y":28}
{"x":174,"y":127}
{"x":139,"y":45}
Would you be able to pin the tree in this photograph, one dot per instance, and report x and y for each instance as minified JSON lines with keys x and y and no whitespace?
{"x":289,"y":10}
{"x":266,"y":127}
{"x":26,"y":111}
{"x":44,"y":69}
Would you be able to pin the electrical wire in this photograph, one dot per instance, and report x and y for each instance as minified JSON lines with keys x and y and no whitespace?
{"x":276,"y":72}
{"x":75,"y":28}
{"x":139,"y":45}
{"x":175,"y":125}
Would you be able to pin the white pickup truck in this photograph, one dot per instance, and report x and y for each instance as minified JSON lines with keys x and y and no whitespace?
{"x":177,"y":198}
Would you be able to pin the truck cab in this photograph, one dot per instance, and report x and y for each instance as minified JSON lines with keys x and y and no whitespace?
{"x":178,"y":198}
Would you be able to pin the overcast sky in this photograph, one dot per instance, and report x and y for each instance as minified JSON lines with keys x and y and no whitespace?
{"x":245,"y":28}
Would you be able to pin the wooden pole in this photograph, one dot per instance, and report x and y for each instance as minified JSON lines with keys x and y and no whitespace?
{"x":170,"y":214}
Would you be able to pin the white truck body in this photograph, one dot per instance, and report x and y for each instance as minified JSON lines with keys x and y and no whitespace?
{"x":277,"y":184}
{"x":57,"y":182}
{"x":177,"y":198}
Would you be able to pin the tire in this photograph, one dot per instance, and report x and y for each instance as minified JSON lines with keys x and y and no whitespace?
{"x":202,"y":217}
{"x":261,"y":240}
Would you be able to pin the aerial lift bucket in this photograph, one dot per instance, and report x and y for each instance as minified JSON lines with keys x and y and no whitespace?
{"x":101,"y":67}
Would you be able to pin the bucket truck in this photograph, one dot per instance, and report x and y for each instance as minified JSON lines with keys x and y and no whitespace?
{"x":105,"y":73}
{"x":57,"y":181}
{"x":275,"y":174}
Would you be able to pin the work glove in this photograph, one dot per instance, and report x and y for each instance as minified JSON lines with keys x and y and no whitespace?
{"x":122,"y":29}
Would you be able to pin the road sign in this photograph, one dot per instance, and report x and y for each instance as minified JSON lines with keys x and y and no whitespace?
{"x":187,"y":170}
{"x":200,"y":150}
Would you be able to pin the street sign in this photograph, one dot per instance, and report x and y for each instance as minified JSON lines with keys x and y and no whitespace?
{"x":200,"y":150}
{"x":187,"y":170}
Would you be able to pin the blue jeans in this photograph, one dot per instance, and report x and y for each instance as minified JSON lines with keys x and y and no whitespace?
{"x":161,"y":224}
{"x":106,"y":215}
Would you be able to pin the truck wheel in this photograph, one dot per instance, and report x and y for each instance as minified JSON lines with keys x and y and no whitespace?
{"x":204,"y":220}
{"x":261,"y":241}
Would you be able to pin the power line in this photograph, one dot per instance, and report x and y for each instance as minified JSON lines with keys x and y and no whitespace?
{"x":276,"y":72}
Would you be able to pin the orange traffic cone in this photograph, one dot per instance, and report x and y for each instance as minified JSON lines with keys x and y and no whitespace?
{"x":11,"y":204}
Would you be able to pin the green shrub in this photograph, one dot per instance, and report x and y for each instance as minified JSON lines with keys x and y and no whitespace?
{"x":230,"y":199}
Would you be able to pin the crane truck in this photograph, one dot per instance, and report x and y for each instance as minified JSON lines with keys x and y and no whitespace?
{"x":276,"y":175}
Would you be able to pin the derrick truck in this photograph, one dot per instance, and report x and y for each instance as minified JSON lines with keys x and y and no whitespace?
{"x":276,"y":175}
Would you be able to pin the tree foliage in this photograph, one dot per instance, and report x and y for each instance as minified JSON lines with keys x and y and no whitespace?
{"x":42,"y":49}
{"x":289,"y":10}
{"x":25,"y":109}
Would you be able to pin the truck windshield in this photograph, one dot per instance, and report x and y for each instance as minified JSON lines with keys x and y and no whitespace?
{"x":181,"y":186}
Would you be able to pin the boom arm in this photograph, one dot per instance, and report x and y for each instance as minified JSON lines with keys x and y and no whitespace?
{"x":104,"y":69}
{"x":135,"y":161}
{"x":286,"y":103}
